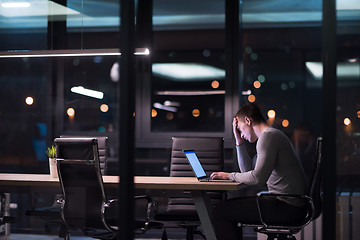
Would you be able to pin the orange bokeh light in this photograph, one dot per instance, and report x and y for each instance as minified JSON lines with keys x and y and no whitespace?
{"x":257,"y":84}
{"x":215,"y":84}
{"x":196,"y":113}
{"x":153,"y":113}
{"x":251,"y":98}
{"x":104,"y":108}
{"x":285,"y":123}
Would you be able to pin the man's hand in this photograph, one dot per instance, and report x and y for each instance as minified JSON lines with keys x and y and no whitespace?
{"x":220,"y":175}
{"x":237,"y":134}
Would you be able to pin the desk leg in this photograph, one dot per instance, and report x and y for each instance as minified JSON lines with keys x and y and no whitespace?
{"x":204,"y":209}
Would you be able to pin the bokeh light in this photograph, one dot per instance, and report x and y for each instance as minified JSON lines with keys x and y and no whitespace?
{"x":285,"y":123}
{"x":215,"y":84}
{"x":29,"y":100}
{"x":261,"y":78}
{"x":153,"y":113}
{"x":70,"y":112}
{"x":271,"y":114}
{"x":251,"y":98}
{"x":169,"y":116}
{"x":257,"y":84}
{"x":347,"y":121}
{"x":104,"y":108}
{"x":196,"y":112}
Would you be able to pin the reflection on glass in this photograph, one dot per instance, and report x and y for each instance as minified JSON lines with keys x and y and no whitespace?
{"x":187,"y":97}
{"x":90,"y":90}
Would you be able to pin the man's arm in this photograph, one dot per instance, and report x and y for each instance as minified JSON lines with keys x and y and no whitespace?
{"x":266,"y":158}
{"x":244,"y":160}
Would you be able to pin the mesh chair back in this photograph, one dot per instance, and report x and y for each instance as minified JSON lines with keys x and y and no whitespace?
{"x":315,"y":190}
{"x":81,"y":182}
{"x":102,"y":147}
{"x":210,"y":151}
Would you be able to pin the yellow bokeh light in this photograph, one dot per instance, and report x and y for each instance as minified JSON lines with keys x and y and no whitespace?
{"x":70,"y":112}
{"x":104,"y":108}
{"x":215,"y":84}
{"x":271,"y":114}
{"x":29,"y":100}
{"x":196,"y":112}
{"x":153,"y":113}
{"x":347,"y":121}
{"x":358,"y":114}
{"x":285,"y":123}
{"x":257,"y":84}
{"x":251,"y":98}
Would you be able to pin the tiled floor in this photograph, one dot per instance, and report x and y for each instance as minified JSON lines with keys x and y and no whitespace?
{"x":15,"y":236}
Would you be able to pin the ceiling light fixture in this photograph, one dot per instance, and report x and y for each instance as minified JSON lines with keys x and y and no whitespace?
{"x":187,"y":71}
{"x":344,"y":70}
{"x":87,"y":92}
{"x":69,"y":53}
{"x":166,"y":108}
{"x":15,"y":5}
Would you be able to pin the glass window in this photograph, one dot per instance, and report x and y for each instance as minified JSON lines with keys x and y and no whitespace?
{"x":90,"y":85}
{"x":188,"y":83}
{"x":24,"y":105}
{"x":275,"y":73}
{"x":189,"y":96}
{"x":348,"y":119}
{"x":42,"y":94}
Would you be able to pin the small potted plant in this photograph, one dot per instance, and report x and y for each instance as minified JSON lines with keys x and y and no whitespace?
{"x":51,"y":153}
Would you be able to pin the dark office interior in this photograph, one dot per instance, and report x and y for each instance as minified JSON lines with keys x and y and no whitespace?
{"x":195,"y":63}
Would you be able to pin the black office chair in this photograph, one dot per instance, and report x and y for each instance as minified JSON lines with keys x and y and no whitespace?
{"x":103,"y":150}
{"x":181,"y":211}
{"x":51,"y":215}
{"x":85,"y":206}
{"x":4,"y":219}
{"x":313,"y":200}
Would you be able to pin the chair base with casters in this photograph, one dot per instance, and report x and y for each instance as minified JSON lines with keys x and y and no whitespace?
{"x":51,"y":216}
{"x":189,"y":223}
{"x":111,"y":232}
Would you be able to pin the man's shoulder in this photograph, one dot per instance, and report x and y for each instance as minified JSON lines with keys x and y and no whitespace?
{"x":271,"y":131}
{"x":273,"y":135}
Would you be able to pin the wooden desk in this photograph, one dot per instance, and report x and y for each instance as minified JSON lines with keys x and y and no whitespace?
{"x":197,"y":189}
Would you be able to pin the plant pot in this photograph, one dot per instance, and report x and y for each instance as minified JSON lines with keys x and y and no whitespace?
{"x":53,"y":168}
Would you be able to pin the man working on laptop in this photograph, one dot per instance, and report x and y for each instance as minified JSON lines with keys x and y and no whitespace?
{"x":276,"y":166}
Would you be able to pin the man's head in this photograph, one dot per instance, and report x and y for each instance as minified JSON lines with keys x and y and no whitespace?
{"x":250,"y":110}
{"x":246,"y":118}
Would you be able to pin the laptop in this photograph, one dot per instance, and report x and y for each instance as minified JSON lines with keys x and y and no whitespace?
{"x":198,"y":168}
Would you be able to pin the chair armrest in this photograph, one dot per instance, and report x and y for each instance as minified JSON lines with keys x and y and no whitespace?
{"x":263,"y":195}
{"x":148,"y":210}
{"x":7,"y":219}
{"x":59,"y":200}
{"x":149,"y":204}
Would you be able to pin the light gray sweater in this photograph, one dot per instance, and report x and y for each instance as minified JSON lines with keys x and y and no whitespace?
{"x":276,"y":165}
